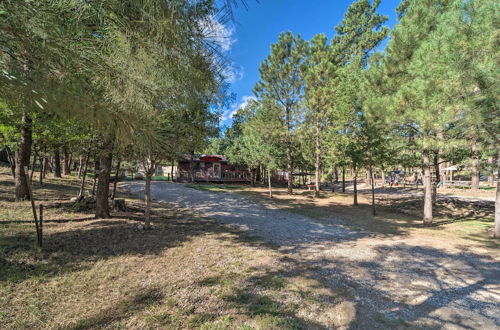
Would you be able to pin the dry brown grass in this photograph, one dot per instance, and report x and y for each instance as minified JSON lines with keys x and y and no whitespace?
{"x":185,"y":273}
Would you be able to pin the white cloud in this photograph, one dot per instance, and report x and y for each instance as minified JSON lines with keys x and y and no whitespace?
{"x":245,"y":100}
{"x":233,"y":74}
{"x":218,"y":33}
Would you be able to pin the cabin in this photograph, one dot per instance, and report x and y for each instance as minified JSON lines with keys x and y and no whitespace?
{"x":210,"y":168}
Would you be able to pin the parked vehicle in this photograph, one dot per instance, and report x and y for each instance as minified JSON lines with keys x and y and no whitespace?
{"x":138,"y":176}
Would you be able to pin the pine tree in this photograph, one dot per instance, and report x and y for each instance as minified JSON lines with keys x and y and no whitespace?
{"x":281,"y":88}
{"x":319,"y":85}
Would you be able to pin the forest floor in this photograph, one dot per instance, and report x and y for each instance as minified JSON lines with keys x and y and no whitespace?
{"x":217,"y":260}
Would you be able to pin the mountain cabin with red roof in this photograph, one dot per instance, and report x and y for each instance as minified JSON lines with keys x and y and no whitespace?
{"x":210,"y":168}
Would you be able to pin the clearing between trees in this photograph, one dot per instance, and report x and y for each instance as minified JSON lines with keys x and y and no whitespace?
{"x":220,"y":265}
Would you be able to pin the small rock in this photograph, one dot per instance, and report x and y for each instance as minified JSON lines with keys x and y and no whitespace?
{"x":140,"y":227}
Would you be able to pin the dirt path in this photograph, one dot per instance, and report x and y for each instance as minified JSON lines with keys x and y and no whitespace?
{"x":393,"y":280}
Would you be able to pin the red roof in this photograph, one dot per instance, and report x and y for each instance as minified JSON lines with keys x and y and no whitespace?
{"x":211,"y":158}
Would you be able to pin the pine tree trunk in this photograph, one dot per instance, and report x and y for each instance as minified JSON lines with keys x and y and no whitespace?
{"x":147,"y":196}
{"x":45,"y":166}
{"x":289,"y":152}
{"x":427,"y":188}
{"x":355,"y":184}
{"x":35,"y":158}
{"x":102,"y":192}
{"x":80,"y":166}
{"x":474,"y":166}
{"x":57,"y":163}
{"x":252,"y":176}
{"x":115,"y":183}
{"x":496,"y":231}
{"x":343,"y":179}
{"x":269,"y":183}
{"x":12,"y":162}
{"x":382,"y":171}
{"x":317,"y":162}
{"x":172,"y":171}
{"x":336,"y":171}
{"x":491,"y":174}
{"x":374,"y":212}
{"x":23,"y":153}
{"x":96,"y":171}
{"x":84,"y":174}
{"x":66,"y":161}
{"x":42,"y":163}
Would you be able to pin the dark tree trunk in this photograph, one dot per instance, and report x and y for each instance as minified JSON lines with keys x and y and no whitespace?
{"x":252,"y":176}
{"x":35,"y":158}
{"x":436,"y":177}
{"x":115,"y":183}
{"x":355,"y":184}
{"x":172,"y":171}
{"x":269,"y":183}
{"x":45,"y":166}
{"x":57,"y":163}
{"x":96,"y":171}
{"x":147,"y":195}
{"x":474,"y":166}
{"x":12,"y":161}
{"x":336,"y":172}
{"x":42,"y":164}
{"x":374,"y":211}
{"x":66,"y":160}
{"x":343,"y":179}
{"x":289,"y":152}
{"x":23,"y":153}
{"x":84,"y":174}
{"x":491,"y":174}
{"x":317,"y":162}
{"x":102,"y":191}
{"x":80,"y":166}
{"x":427,"y":188}
{"x":496,"y":231}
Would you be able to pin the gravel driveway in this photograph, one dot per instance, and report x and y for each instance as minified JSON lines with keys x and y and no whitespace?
{"x":390,"y":279}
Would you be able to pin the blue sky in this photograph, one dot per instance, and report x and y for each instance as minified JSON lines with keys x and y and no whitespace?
{"x":258,"y":27}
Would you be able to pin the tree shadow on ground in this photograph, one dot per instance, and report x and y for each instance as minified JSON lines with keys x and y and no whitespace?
{"x":400,"y":286}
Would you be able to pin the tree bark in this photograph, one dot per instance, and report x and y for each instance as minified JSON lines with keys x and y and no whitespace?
{"x":343,"y":179}
{"x":474,"y":166}
{"x":42,"y":162}
{"x":57,"y":163}
{"x":66,"y":161}
{"x":45,"y":166}
{"x":382,"y":171}
{"x":84,"y":175}
{"x":12,"y":162}
{"x":115,"y":183}
{"x":23,"y":153}
{"x":491,"y":174}
{"x":35,"y":158}
{"x":147,"y":195}
{"x":336,"y":172}
{"x":172,"y":171}
{"x":317,"y":162}
{"x":102,"y":192}
{"x":355,"y":184}
{"x":289,"y":152}
{"x":374,"y":212}
{"x":269,"y":183}
{"x":427,"y":188}
{"x":496,"y":231}
{"x":80,"y":166}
